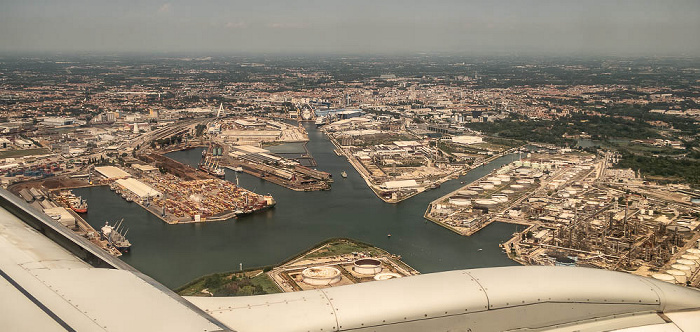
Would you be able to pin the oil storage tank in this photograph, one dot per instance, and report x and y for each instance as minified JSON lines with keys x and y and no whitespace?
{"x":368,"y":266}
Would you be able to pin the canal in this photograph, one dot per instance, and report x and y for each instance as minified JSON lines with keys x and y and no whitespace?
{"x":176,"y":254}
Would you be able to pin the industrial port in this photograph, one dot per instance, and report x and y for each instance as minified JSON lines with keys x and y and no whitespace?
{"x":577,"y":211}
{"x":238,"y":144}
{"x":182,"y":201}
{"x":397,"y":163}
{"x":66,"y":208}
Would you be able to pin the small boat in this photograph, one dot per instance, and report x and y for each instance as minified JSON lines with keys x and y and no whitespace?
{"x":344,"y":174}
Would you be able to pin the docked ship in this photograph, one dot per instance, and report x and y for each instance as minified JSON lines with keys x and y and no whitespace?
{"x":320,"y":121}
{"x":210,"y":161}
{"x":114,"y":237}
{"x":79,"y":205}
{"x":263,"y":203}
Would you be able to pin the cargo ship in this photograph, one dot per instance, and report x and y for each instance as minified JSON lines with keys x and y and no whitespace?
{"x":263,"y":203}
{"x":79,"y":205}
{"x":210,"y":161}
{"x":114,"y":237}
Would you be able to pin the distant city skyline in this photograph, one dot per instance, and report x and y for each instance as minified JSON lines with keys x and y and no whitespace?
{"x":625,"y":28}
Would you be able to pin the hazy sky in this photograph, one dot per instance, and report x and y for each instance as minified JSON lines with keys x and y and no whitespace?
{"x":670,"y":27}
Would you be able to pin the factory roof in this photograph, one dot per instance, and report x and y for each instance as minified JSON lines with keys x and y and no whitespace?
{"x":139,"y":188}
{"x":144,"y":168}
{"x":400,"y":184}
{"x":249,"y":149}
{"x":406,"y":143}
{"x":112,"y":172}
{"x":466,"y":139}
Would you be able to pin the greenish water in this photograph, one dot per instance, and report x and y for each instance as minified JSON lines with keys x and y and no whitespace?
{"x":176,"y":254}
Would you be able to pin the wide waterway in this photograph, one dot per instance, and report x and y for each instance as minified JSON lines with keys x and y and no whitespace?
{"x":176,"y":254}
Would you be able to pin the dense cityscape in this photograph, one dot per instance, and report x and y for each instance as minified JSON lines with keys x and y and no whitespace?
{"x":384,"y":166}
{"x":607,"y":150}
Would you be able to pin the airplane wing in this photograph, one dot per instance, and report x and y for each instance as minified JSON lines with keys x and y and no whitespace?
{"x":53,"y":280}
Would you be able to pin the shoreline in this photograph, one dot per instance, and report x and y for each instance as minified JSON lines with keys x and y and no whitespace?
{"x":277,"y":274}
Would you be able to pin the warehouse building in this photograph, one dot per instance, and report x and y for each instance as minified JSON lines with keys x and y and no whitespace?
{"x":112,"y":172}
{"x":138,"y":188}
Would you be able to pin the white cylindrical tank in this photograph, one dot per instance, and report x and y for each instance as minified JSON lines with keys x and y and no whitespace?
{"x":681,"y":267}
{"x":664,"y":277}
{"x":321,"y":276}
{"x":368,"y":266}
{"x":467,"y":193}
{"x":691,"y":257}
{"x":460,"y":201}
{"x":503,"y":178}
{"x":484,"y":202}
{"x":679,"y":275}
{"x":487,"y":186}
{"x":693,"y":251}
{"x":691,"y":264}
{"x":387,"y":276}
{"x":517,"y":187}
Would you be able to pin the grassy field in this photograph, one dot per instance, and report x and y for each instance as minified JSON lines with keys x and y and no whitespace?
{"x":22,"y":153}
{"x":342,"y":247}
{"x":255,"y":282}
{"x":231,"y":284}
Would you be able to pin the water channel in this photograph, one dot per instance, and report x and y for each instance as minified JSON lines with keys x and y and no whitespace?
{"x":176,"y":254}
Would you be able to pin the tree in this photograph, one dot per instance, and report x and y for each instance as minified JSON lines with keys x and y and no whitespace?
{"x":246,"y":291}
